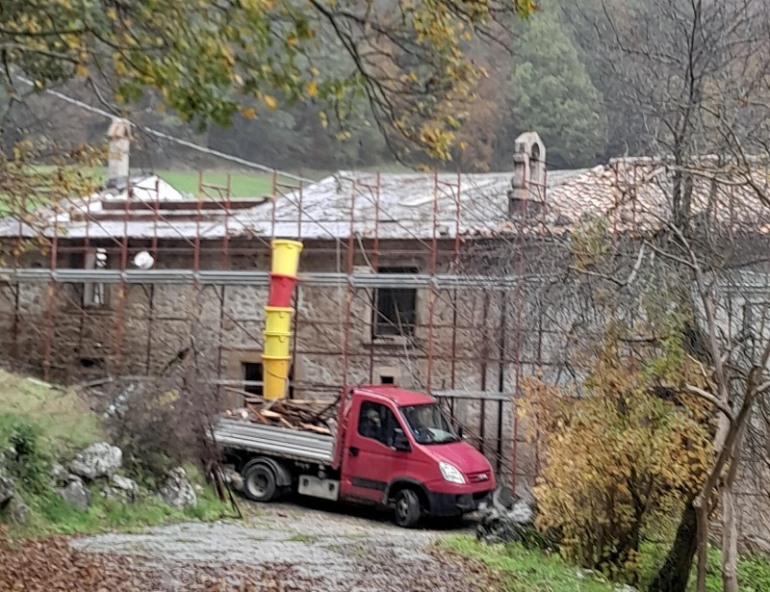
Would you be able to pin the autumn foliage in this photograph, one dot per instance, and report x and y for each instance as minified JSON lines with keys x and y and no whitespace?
{"x":627,"y":449}
{"x":53,"y":565}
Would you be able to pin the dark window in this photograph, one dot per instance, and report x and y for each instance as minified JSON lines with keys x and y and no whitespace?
{"x":387,"y":380}
{"x":252,"y":373}
{"x":394,"y":311}
{"x":377,"y":422}
{"x":92,"y":363}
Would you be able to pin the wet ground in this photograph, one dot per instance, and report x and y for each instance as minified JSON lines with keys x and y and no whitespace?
{"x":295,"y":547}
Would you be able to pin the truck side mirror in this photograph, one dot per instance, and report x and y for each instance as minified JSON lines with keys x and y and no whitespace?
{"x":400,"y":441}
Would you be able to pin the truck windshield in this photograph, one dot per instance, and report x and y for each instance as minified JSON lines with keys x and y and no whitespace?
{"x":428,"y":424}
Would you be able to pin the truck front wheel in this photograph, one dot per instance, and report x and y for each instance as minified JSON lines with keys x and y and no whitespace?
{"x":259,"y":483}
{"x":407,"y":508}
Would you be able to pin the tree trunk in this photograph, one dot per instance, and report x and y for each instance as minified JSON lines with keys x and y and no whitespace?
{"x":675,"y":571}
{"x":729,"y":542}
{"x":729,"y":516}
{"x":702,"y":519}
{"x":674,"y":574}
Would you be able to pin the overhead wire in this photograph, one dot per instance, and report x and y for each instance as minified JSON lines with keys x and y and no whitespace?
{"x":482,"y":282}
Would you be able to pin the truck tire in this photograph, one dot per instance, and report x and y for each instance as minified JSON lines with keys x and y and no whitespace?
{"x":407,"y":508}
{"x":259,"y":483}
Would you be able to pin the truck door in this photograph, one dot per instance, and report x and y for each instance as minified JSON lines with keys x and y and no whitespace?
{"x":369,"y":461}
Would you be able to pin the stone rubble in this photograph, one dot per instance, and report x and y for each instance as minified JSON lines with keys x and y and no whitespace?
{"x":76,"y":494}
{"x":98,"y":460}
{"x":7,"y":490}
{"x":177,"y":491}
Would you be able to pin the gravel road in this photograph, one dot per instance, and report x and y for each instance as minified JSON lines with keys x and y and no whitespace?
{"x":297,"y":548}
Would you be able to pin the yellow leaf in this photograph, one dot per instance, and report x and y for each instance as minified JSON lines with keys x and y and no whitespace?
{"x":249,"y":113}
{"x":81,"y":70}
{"x":312,"y":88}
{"x":270,"y":101}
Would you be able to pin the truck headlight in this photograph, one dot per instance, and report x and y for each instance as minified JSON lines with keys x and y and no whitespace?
{"x":451,"y":473}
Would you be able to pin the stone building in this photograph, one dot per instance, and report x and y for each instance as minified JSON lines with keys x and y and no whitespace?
{"x":443,"y":282}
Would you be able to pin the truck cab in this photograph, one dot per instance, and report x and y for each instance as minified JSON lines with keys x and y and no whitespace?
{"x":398,"y":449}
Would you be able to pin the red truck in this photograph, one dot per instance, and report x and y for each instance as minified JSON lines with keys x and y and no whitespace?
{"x":393,"y":447}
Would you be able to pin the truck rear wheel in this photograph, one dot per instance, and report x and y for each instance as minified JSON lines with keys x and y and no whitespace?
{"x":259,"y":483}
{"x":407,"y":508}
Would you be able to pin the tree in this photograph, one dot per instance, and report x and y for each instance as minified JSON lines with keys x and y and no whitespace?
{"x":551,"y":92}
{"x":208,"y":62}
{"x":618,"y":454}
{"x":694,"y":74}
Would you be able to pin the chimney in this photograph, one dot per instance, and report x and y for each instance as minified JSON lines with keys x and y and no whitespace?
{"x":119,"y":136}
{"x":529,"y":175}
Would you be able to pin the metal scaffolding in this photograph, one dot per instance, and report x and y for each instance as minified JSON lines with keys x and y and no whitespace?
{"x":203,"y":245}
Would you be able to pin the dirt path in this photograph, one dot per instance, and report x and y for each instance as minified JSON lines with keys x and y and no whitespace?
{"x":309,"y":549}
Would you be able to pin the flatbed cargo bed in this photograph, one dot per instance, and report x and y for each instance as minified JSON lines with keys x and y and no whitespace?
{"x":295,"y":444}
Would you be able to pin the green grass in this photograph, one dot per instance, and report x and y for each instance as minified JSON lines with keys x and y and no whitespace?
{"x":242,"y":184}
{"x":303,"y":538}
{"x":61,"y":414}
{"x":46,"y":423}
{"x":523,"y":570}
{"x":50,"y":514}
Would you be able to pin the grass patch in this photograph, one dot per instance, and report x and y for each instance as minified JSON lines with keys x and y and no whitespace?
{"x":43,"y":424}
{"x":242,"y":184}
{"x":303,"y":538}
{"x":524,"y":570}
{"x":62,"y":416}
{"x":49,"y":514}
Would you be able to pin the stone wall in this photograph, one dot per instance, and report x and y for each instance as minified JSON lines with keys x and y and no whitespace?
{"x":143,"y":328}
{"x":471,"y":339}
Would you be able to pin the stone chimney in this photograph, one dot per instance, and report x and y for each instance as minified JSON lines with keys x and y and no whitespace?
{"x":119,"y":136}
{"x":528,"y":185}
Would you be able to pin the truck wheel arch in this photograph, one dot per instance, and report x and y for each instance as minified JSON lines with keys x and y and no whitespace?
{"x":406,"y":483}
{"x":279,"y":470}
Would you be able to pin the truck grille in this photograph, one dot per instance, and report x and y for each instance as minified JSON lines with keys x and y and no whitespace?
{"x":481,"y":477}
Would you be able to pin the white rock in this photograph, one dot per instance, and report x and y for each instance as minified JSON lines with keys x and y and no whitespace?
{"x":177,"y":490}
{"x":522,"y":513}
{"x":7,"y":490}
{"x":98,"y":460}
{"x":128,"y":487}
{"x":76,"y":494}
{"x":18,"y":511}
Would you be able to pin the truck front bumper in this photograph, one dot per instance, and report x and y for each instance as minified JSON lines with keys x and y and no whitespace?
{"x":449,"y":504}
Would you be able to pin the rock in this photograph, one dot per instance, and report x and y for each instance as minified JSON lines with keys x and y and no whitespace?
{"x":98,"y":460}
{"x":18,"y":511}
{"x":113,"y":493}
{"x":233,"y":478}
{"x":515,"y":525}
{"x":522,"y":513}
{"x":76,"y":494}
{"x":58,"y":474}
{"x":125,"y":487}
{"x":7,"y":490}
{"x":177,"y":490}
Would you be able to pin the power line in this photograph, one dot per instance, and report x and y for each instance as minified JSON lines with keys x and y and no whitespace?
{"x":170,"y":138}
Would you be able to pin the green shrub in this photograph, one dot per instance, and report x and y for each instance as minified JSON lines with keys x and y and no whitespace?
{"x":30,"y":461}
